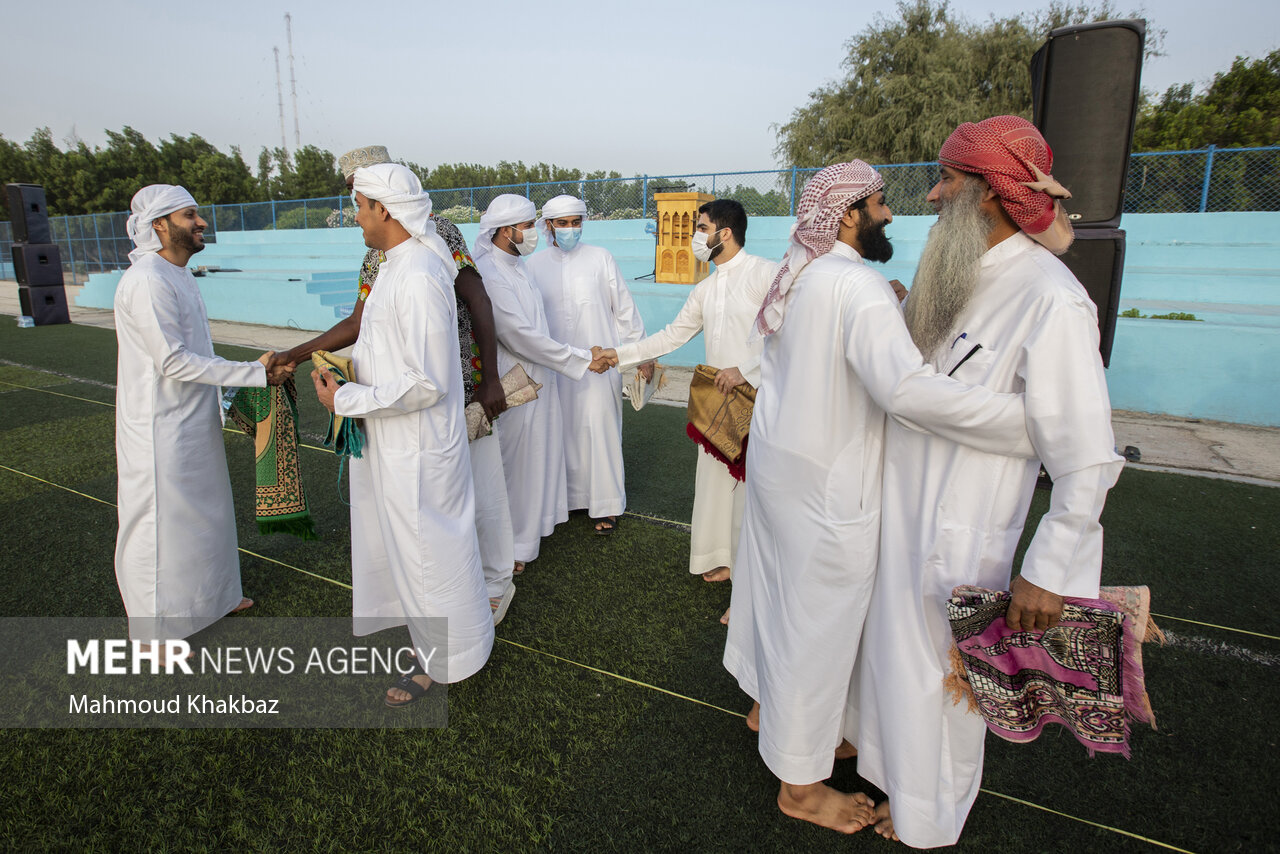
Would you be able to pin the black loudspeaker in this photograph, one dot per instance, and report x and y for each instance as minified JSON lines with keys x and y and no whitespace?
{"x":1085,"y":84}
{"x":1097,"y":260}
{"x":46,"y":306}
{"x":37,"y":264}
{"x":28,"y":213}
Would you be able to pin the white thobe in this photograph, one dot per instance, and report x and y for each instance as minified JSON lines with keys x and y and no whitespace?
{"x":176,"y":559}
{"x":587,"y":303}
{"x":414,"y":554}
{"x":723,"y":308}
{"x":810,"y":533}
{"x":493,"y":513}
{"x":953,"y":515}
{"x":532,"y":435}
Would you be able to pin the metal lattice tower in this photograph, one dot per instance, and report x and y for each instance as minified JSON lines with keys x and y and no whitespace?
{"x":284,"y":141}
{"x":293,"y":82}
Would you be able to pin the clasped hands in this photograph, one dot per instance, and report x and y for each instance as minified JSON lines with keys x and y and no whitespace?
{"x":602,"y":359}
{"x":278,"y":366}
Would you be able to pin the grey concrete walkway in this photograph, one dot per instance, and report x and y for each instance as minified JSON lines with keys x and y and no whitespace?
{"x":1166,"y":443}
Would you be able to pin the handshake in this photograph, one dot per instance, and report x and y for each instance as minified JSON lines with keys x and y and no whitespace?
{"x":603,"y":359}
{"x":279,"y":367}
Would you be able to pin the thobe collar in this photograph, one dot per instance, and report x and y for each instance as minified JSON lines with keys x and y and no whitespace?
{"x":399,"y":249}
{"x":734,"y":262}
{"x":505,"y":257}
{"x":559,"y":254}
{"x":844,"y":250}
{"x":1006,"y":249}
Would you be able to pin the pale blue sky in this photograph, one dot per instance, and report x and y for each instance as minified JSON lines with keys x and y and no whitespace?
{"x":656,"y":87}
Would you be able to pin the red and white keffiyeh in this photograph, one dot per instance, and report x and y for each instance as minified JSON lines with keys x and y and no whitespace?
{"x":1010,"y":153}
{"x":823,"y":202}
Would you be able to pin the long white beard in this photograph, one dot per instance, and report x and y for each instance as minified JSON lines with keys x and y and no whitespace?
{"x":948,"y":271}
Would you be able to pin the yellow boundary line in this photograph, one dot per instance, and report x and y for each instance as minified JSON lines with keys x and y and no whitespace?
{"x":1086,"y":821}
{"x":635,"y":682}
{"x":659,"y":519}
{"x":111,"y":504}
{"x":1215,"y":626}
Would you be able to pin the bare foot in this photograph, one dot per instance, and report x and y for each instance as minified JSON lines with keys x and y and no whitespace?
{"x":245,"y":604}
{"x":720,"y":573}
{"x":846,"y":750}
{"x":518,"y":568}
{"x":753,"y":718}
{"x":724,"y":618}
{"x":884,"y":822}
{"x":397,"y":697}
{"x":824,"y":806}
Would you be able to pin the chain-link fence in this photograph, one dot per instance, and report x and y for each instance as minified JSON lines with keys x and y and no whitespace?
{"x":1212,"y":179}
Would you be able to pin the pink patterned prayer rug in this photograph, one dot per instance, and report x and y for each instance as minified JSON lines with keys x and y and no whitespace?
{"x":1085,"y":673}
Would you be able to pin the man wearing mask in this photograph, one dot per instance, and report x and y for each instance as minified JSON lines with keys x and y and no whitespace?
{"x":587,"y":302}
{"x":532,"y":435}
{"x":723,"y":308}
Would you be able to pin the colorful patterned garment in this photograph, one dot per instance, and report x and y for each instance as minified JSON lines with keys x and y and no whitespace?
{"x":269,"y":416}
{"x":468,"y":350}
{"x":1085,"y":673}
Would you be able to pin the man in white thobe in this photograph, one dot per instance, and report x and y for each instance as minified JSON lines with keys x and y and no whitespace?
{"x":587,"y":302}
{"x":836,"y":358}
{"x":991,"y":306}
{"x":414,"y":554}
{"x":176,"y":554}
{"x":723,"y":308}
{"x":532,"y":435}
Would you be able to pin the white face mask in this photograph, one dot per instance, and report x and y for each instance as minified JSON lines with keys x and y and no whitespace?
{"x":701,"y":250}
{"x":530,"y":242}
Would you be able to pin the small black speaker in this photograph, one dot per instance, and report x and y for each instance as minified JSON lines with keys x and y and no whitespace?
{"x":1085,"y":85}
{"x":47,"y":306}
{"x":28,"y":213}
{"x":37,"y":264}
{"x":1097,"y":260}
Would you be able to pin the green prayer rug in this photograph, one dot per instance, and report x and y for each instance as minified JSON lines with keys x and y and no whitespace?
{"x":269,"y":416}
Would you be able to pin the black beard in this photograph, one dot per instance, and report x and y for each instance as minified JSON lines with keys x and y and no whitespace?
{"x":875,"y":244}
{"x":715,"y":252}
{"x":184,"y":240}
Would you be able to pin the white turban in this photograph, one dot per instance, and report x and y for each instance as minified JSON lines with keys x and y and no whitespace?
{"x":401,"y":193}
{"x":562,"y":206}
{"x":507,"y":209}
{"x":148,"y":205}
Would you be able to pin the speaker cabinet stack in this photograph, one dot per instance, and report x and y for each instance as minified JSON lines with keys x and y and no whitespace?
{"x":37,"y":263}
{"x":1086,"y":84}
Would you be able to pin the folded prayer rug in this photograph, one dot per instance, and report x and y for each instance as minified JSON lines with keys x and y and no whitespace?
{"x":345,"y":435}
{"x":1084,"y":673}
{"x":269,"y":416}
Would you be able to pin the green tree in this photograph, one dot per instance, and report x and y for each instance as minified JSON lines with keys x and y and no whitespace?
{"x":1239,"y":109}
{"x":909,"y":80}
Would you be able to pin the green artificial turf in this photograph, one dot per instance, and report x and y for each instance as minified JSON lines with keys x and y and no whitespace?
{"x":543,"y":753}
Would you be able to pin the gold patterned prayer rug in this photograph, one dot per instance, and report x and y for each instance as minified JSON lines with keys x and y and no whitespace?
{"x":269,"y":416}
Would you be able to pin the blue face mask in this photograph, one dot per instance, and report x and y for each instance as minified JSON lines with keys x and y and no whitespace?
{"x":567,"y":238}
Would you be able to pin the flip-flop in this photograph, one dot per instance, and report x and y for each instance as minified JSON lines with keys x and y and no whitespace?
{"x":405,"y":683}
{"x":611,"y":521}
{"x":500,"y":604}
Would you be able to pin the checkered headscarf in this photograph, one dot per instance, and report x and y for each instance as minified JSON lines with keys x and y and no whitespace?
{"x":826,"y":197}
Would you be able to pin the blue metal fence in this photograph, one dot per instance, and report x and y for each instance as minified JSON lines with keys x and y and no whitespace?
{"x":1211,"y":179}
